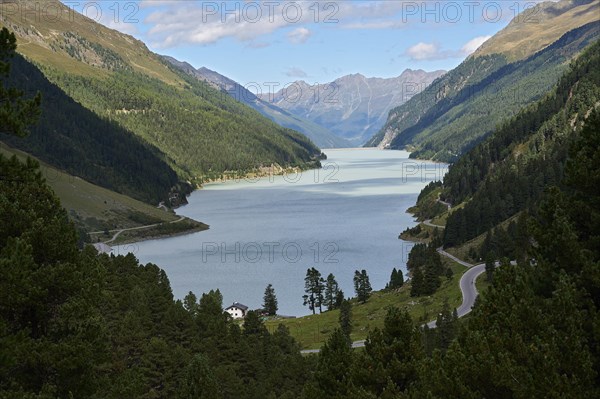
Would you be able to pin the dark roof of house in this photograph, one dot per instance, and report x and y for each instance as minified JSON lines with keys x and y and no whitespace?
{"x":239,"y":306}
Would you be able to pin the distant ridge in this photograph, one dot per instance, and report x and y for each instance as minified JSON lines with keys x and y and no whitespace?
{"x":353,"y":106}
{"x":319,"y":135}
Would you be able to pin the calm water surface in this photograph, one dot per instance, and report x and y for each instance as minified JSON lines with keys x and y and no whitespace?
{"x":344,"y":217}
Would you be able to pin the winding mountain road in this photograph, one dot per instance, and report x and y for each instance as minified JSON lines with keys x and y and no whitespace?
{"x":428,"y":223}
{"x":467,"y":288}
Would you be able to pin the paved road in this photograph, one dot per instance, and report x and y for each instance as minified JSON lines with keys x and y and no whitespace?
{"x":467,"y":288}
{"x":445,"y":203}
{"x":428,"y":223}
{"x":119,"y":231}
{"x":454,"y":258}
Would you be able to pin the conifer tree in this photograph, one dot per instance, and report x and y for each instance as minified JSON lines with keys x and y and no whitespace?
{"x":346,"y":318}
{"x":200,"y":381}
{"x":333,"y":369}
{"x":270,"y":301}
{"x":396,"y":280}
{"x":362,"y":285}
{"x":417,"y":283}
{"x":314,"y":287}
{"x":331,"y":292}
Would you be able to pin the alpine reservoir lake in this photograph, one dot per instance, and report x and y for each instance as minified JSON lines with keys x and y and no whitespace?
{"x":344,"y":217}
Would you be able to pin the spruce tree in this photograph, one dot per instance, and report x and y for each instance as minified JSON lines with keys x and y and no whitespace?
{"x":190,"y":303}
{"x":339,"y":298}
{"x":333,"y":368}
{"x":253,"y":325}
{"x":396,"y":279}
{"x":199,"y":380}
{"x":346,"y":318}
{"x":331,"y":292}
{"x":445,"y":327}
{"x":362,"y":285}
{"x":314,"y":287}
{"x":270,"y":301}
{"x":417,"y":283}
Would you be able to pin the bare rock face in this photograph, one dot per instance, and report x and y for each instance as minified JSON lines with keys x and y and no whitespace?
{"x":353,"y":107}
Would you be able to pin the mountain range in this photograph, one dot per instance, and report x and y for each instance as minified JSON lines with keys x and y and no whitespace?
{"x":319,"y":135}
{"x":494,"y":83}
{"x":353,"y":107}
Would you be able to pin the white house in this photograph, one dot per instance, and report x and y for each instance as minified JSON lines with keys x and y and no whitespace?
{"x":237,"y":310}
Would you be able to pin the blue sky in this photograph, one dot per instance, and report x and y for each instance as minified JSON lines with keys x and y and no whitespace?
{"x":316,"y":41}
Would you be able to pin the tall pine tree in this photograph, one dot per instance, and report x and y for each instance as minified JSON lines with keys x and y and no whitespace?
{"x":270,"y":301}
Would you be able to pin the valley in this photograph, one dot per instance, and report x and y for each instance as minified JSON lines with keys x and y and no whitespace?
{"x":354,"y":107}
{"x":170,"y":231}
{"x":271,"y":229}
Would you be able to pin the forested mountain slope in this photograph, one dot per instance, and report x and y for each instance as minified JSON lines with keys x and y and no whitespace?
{"x":76,"y":140}
{"x":75,"y":324}
{"x":200,"y":131}
{"x":509,"y":171}
{"x":319,"y":135}
{"x":466,"y":104}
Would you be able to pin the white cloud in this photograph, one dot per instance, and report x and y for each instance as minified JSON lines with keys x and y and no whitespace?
{"x":299,"y":35}
{"x":432,"y":51}
{"x":295,"y":72}
{"x":374,"y":25}
{"x":192,"y":22}
{"x":175,"y":22}
{"x":474,"y":44}
{"x":424,"y":51}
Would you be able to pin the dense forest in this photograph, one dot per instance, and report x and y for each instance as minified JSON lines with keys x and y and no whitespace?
{"x":131,"y":113}
{"x":426,"y":268}
{"x":75,"y":324}
{"x":72,"y":138}
{"x":463,"y":107}
{"x":202,"y":131}
{"x":509,"y":172}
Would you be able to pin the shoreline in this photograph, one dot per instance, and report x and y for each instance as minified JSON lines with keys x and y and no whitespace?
{"x":151,"y":232}
{"x":152,"y":237}
{"x":262,"y":172}
{"x":274,"y":170}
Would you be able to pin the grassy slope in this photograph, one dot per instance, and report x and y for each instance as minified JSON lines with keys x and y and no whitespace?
{"x":312,"y":331}
{"x":96,"y":208}
{"x":534,"y":30}
{"x":518,"y":85}
{"x":33,"y":43}
{"x":537,"y":28}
